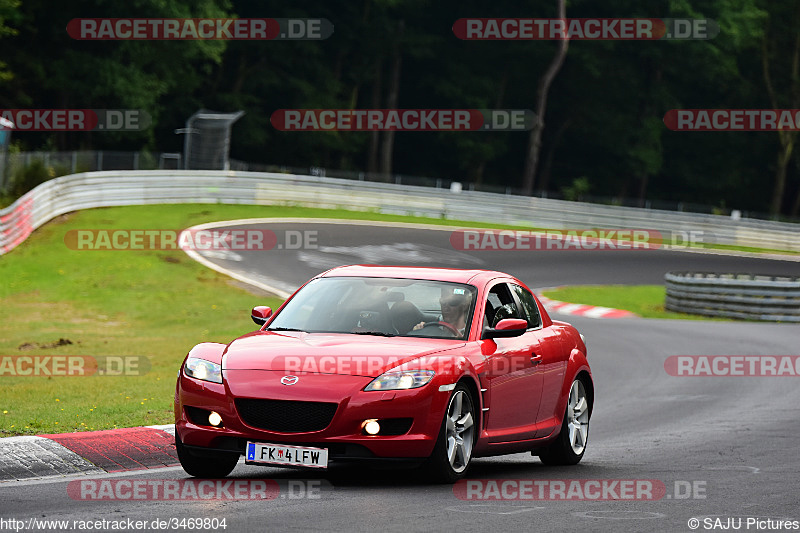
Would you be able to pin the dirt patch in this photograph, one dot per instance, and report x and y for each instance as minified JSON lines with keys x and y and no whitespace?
{"x":44,"y":346}
{"x":62,"y":218}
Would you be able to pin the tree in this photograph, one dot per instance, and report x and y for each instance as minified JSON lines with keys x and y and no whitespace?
{"x":387,"y":140}
{"x":780,"y":59}
{"x":535,"y":141}
{"x":54,"y":71}
{"x":9,"y":10}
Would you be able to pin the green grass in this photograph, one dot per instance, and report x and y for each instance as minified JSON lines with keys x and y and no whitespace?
{"x":156,"y":304}
{"x":748,"y":249}
{"x":646,"y":301}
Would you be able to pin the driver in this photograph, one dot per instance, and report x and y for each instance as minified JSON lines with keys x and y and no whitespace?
{"x":455,"y":306}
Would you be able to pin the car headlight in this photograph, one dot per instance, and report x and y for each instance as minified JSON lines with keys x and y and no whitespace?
{"x":401,"y":380}
{"x":203,"y":370}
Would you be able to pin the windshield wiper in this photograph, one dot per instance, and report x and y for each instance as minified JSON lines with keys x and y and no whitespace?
{"x":285,"y":329}
{"x":378,"y":333}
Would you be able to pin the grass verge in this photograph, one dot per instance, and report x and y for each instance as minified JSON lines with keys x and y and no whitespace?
{"x":646,"y":301}
{"x":156,"y":304}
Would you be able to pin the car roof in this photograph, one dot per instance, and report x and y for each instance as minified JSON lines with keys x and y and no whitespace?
{"x":456,"y":275}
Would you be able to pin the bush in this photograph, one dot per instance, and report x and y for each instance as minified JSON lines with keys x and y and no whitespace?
{"x":580,"y":187}
{"x":26,"y":178}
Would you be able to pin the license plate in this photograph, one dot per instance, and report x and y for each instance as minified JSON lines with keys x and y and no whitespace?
{"x":280,"y":454}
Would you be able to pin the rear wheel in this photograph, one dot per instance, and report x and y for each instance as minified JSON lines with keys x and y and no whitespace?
{"x":453,"y":451}
{"x":205,"y":464}
{"x":568,"y":448}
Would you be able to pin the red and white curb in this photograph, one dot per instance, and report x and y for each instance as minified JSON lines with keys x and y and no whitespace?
{"x":589,"y":311}
{"x":89,"y":452}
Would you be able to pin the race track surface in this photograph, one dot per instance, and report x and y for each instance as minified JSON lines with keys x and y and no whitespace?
{"x":733,"y":440}
{"x":286,"y":267}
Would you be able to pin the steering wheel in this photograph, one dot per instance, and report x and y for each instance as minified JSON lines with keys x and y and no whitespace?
{"x":444,"y":325}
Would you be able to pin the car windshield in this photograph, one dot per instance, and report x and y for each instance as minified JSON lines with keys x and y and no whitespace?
{"x":380,"y":306}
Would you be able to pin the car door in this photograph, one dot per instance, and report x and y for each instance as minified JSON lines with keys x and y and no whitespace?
{"x":552,"y":362}
{"x":513,"y":377}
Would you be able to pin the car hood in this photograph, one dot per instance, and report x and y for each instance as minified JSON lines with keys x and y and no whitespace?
{"x":326,"y":353}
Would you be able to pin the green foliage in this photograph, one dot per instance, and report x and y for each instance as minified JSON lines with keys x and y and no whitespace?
{"x":29,"y":176}
{"x":647,"y":301}
{"x":26,"y":177}
{"x":603,"y":119}
{"x":8,"y":11}
{"x":580,"y":187}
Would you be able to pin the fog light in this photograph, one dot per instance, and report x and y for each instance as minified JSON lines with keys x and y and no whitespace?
{"x":371,"y":426}
{"x":214,"y":419}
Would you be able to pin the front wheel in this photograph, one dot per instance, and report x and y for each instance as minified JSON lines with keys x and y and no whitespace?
{"x":568,"y":448}
{"x":205,"y":464}
{"x":453,"y":451}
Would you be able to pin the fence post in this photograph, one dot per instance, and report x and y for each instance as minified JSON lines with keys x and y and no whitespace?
{"x":5,"y":138}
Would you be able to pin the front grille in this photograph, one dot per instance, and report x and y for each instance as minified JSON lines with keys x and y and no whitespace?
{"x":286,"y":416}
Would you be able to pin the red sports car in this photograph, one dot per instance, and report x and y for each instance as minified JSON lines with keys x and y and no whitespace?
{"x":374,"y":363}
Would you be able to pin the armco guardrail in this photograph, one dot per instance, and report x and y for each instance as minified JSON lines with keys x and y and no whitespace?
{"x":114,"y":188}
{"x":747,"y":296}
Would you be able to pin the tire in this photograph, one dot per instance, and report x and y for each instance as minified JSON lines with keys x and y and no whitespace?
{"x":210,"y":465}
{"x":453,"y":450}
{"x":570,"y":445}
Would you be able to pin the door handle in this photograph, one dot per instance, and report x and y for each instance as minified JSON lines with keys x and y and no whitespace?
{"x":536,"y":359}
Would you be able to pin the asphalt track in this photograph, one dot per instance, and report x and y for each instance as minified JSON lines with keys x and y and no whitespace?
{"x":733,"y":438}
{"x":285,"y":267}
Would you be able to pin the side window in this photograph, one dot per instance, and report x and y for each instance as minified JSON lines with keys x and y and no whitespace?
{"x":500,"y":304}
{"x":528,"y":306}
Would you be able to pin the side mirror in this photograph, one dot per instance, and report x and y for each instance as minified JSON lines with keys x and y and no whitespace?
{"x":508,"y":327}
{"x":260,"y":314}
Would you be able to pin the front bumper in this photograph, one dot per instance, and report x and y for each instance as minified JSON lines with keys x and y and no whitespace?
{"x":343,"y":436}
